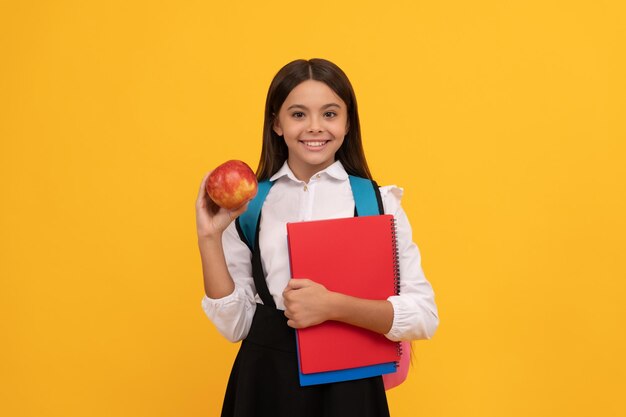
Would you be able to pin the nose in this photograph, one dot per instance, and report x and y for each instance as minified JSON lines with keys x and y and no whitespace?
{"x":314,"y":125}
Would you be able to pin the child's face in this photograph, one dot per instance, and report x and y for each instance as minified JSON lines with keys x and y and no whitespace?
{"x":313,"y":121}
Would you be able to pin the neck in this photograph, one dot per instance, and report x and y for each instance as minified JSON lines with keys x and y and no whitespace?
{"x":305,"y":173}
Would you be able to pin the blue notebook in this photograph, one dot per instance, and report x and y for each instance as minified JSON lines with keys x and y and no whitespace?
{"x":344,"y":374}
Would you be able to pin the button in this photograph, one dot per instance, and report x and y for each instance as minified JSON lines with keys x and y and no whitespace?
{"x":318,"y":176}
{"x":305,"y":187}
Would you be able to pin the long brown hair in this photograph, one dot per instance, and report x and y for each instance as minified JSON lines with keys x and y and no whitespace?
{"x":274,"y":152}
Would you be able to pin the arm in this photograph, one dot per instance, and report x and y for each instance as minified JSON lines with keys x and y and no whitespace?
{"x":211,"y":222}
{"x":217,"y":280}
{"x":415,"y":312}
{"x":411,"y":315}
{"x":229,"y":300}
{"x":308,"y":303}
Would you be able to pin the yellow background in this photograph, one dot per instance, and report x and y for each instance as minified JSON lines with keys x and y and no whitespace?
{"x":504,"y":121}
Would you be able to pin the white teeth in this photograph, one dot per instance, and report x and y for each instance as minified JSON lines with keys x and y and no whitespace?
{"x":321,"y":143}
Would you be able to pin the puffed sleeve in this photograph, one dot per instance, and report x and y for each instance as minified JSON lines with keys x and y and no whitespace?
{"x":232,"y":315}
{"x":415,"y":312}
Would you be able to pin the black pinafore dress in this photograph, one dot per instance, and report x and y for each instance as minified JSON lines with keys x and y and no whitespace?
{"x":264,"y":379}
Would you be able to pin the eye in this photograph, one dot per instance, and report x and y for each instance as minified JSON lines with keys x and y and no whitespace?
{"x":330,"y":114}
{"x":297,"y":115}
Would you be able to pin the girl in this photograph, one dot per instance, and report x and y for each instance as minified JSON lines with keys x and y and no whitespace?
{"x":311,"y":142}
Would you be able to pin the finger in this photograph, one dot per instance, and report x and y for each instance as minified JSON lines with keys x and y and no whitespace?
{"x":202,"y":190}
{"x":298,"y":283}
{"x":238,"y":212}
{"x":287,"y":288}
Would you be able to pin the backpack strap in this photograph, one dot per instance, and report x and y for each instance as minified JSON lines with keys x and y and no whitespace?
{"x":367,"y":199}
{"x":366,"y":204}
{"x":248,"y":223}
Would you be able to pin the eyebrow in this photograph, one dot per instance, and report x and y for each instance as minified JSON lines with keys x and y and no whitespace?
{"x":301,"y":106}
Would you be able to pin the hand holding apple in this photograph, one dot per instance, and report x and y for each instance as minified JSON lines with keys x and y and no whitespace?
{"x":218,"y":193}
{"x":231,"y":184}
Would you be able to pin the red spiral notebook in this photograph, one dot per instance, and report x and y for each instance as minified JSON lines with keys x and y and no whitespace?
{"x":356,"y":256}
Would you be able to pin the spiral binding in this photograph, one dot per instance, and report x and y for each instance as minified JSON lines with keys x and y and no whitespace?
{"x":396,"y":273}
{"x":396,"y":256}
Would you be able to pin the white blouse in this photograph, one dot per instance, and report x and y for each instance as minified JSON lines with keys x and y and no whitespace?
{"x":327,"y":195}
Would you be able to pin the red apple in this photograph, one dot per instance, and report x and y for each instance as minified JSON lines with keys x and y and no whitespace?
{"x":231,"y":184}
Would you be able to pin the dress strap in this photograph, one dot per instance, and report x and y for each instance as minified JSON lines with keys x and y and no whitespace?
{"x":257,"y":271}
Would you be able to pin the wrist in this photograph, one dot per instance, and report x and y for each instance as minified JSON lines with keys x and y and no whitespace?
{"x":210,"y":239}
{"x":335,"y":304}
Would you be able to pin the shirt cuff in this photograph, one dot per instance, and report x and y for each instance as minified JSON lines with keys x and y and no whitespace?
{"x":231,"y":315}
{"x":405,"y":325}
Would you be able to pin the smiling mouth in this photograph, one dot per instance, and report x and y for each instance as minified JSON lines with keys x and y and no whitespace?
{"x":314,"y":143}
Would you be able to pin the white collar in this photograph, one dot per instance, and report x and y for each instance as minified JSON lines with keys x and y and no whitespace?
{"x":336,"y":170}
